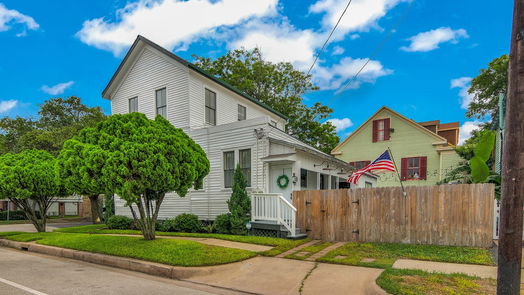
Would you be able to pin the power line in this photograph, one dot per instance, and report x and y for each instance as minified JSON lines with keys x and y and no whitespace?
{"x":378,"y":48}
{"x":329,"y":37}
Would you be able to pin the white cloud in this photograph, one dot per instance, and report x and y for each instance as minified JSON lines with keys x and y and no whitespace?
{"x":467,"y":128}
{"x":7,"y":105}
{"x":11,"y":16}
{"x":170,"y":23}
{"x":360,"y":16}
{"x":354,"y":36}
{"x":463,"y":83}
{"x":430,"y":40}
{"x":280,"y":42}
{"x":57,"y":89}
{"x":334,"y":76}
{"x":337,"y":50}
{"x":341,"y":124}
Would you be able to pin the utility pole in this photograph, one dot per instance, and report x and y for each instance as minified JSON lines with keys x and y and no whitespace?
{"x":510,"y":238}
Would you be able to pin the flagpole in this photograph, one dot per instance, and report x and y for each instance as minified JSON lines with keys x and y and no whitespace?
{"x":398,"y":174}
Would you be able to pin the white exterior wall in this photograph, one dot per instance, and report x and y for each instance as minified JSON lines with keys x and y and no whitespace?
{"x":153,"y":71}
{"x":227,"y":104}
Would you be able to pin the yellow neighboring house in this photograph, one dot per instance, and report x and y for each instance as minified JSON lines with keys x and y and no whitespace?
{"x":423,"y":151}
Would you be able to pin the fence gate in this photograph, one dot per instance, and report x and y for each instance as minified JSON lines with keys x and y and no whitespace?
{"x":461,"y":215}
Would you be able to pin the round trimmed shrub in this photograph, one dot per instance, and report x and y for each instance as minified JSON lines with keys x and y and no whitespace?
{"x":119,"y":222}
{"x":223,"y":223}
{"x":167,"y":225}
{"x":187,"y":223}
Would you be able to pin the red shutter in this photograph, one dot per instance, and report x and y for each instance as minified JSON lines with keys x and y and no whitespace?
{"x":404,"y":168}
{"x":375,"y":130}
{"x":366,"y":163}
{"x":423,"y":167}
{"x":352,"y":164}
{"x":387,"y":125}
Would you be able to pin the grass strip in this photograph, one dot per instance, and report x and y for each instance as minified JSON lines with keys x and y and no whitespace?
{"x":417,"y":282}
{"x":309,"y":250}
{"x":167,"y":251}
{"x":280,"y":245}
{"x":383,"y":255}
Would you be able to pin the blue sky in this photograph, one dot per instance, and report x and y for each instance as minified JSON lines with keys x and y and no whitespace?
{"x":62,"y":48}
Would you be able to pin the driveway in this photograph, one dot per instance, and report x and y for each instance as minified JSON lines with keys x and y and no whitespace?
{"x":30,"y":228}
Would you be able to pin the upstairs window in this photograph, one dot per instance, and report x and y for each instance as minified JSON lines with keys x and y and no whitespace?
{"x":241,"y":113}
{"x":133,"y":104}
{"x":381,"y":130}
{"x":229,"y":168}
{"x":161,"y":102}
{"x":244,"y":162}
{"x":414,"y":168}
{"x":211,"y":107}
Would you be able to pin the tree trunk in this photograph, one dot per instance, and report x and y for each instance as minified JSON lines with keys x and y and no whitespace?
{"x":148,"y":215}
{"x":95,"y":209}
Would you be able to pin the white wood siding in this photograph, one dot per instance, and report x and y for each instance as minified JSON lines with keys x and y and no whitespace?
{"x":227,"y":104}
{"x":211,"y":200}
{"x":151,"y":71}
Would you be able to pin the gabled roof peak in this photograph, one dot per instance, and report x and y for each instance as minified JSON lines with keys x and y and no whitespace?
{"x":143,"y":40}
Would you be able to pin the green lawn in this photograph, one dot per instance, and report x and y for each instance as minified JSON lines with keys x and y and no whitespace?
{"x":383,"y":255}
{"x":167,"y":251}
{"x":416,"y":282}
{"x":309,"y":250}
{"x":280,"y":245}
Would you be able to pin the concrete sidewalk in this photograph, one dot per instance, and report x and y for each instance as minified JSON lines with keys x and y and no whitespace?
{"x":210,"y":241}
{"x":266,"y":275}
{"x":30,"y":228}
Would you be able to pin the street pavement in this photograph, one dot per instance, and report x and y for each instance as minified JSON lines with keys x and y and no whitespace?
{"x":23,"y":273}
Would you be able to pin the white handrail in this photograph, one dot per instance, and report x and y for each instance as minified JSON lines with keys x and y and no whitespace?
{"x":274,"y":207}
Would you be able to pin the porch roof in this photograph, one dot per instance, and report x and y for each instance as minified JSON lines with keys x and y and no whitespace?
{"x":297,"y":145}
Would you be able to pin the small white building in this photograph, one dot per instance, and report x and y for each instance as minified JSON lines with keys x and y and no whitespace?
{"x":232,"y":128}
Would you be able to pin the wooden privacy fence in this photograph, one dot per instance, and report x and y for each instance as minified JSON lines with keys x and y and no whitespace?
{"x":459,"y":214}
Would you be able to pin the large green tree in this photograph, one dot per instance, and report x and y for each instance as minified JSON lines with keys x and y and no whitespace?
{"x":29,"y":179}
{"x":58,"y":120}
{"x":280,"y":86}
{"x":486,"y":88}
{"x":138,"y":159}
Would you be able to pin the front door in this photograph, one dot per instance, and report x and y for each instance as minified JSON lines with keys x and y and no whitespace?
{"x":275,"y":172}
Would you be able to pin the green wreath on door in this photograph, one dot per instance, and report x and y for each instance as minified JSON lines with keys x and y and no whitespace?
{"x":283,"y":181}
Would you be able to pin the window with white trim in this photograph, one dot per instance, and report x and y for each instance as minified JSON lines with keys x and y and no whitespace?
{"x":229,"y":168}
{"x":211,"y":107}
{"x":244,"y":161}
{"x":241,"y":112}
{"x":133,"y":104}
{"x":161,"y":102}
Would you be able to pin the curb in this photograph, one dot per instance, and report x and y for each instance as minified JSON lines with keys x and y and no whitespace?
{"x":150,"y":268}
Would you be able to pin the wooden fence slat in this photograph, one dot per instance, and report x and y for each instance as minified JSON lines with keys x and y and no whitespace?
{"x":459,"y":215}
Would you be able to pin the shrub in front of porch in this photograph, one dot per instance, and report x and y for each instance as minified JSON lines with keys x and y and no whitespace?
{"x":239,"y":205}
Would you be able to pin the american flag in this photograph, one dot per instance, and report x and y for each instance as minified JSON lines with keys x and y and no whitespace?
{"x":381,"y":164}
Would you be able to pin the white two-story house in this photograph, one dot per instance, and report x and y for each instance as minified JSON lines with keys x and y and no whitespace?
{"x":232,"y":128}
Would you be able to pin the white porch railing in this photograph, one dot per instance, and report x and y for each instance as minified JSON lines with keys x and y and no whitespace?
{"x":274,"y":207}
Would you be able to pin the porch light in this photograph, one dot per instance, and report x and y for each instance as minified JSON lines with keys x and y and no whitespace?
{"x":248,"y":225}
{"x":294,"y":178}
